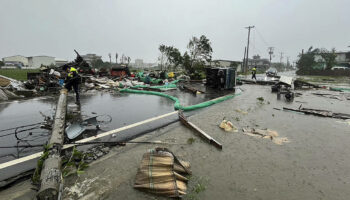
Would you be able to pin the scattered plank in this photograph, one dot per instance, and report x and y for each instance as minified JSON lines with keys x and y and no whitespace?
{"x":192,"y":90}
{"x":199,"y":131}
{"x":321,"y":113}
{"x":299,"y":84}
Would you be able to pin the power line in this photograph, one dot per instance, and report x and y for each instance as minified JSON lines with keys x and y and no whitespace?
{"x":262,"y":38}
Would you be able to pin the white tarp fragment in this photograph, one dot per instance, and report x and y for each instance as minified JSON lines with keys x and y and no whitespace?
{"x":286,"y":80}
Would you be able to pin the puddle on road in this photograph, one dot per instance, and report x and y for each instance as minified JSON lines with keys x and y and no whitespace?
{"x":124,"y":109}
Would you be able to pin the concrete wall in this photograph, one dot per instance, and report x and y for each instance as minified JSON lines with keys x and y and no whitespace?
{"x":17,"y":58}
{"x":36,"y":61}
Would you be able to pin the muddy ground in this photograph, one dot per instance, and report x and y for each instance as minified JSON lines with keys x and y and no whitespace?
{"x":313,"y":165}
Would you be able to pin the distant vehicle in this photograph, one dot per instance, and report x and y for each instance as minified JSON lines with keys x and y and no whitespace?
{"x":336,"y":68}
{"x":271,"y":72}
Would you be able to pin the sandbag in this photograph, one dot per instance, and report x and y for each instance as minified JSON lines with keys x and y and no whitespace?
{"x":161,"y":173}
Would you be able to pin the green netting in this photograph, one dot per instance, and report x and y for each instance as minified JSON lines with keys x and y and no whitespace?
{"x":140,"y":74}
{"x":151,"y":80}
{"x":175,"y":81}
{"x":156,"y":81}
{"x":339,"y":89}
{"x":177,"y":104}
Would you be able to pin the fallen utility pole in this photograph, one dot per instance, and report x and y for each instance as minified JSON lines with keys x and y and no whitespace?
{"x":199,"y":131}
{"x":51,"y":173}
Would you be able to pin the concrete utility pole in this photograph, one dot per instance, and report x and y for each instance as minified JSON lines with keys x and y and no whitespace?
{"x":243,"y":63}
{"x":249,"y":27}
{"x":281,"y":57}
{"x":270,"y":53}
{"x":51,"y":173}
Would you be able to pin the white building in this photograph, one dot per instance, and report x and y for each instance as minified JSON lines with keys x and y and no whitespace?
{"x":16,"y":59}
{"x":342,"y":59}
{"x":34,"y":62}
{"x":60,"y":62}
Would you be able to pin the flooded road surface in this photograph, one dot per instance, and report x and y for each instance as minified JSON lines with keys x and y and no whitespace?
{"x":313,"y":165}
{"x":19,"y":113}
{"x":124,"y":109}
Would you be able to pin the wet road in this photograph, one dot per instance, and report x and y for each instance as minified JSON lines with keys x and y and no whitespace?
{"x":313,"y":165}
{"x":124,"y":109}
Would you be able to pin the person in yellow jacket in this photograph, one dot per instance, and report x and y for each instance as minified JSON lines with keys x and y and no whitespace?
{"x":72,"y":80}
{"x":254,"y":73}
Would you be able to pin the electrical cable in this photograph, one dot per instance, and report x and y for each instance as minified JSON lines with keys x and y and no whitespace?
{"x":90,"y":143}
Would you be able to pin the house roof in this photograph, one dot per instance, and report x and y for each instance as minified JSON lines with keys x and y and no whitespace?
{"x":226,"y":60}
{"x":41,"y":56}
{"x":13,"y":56}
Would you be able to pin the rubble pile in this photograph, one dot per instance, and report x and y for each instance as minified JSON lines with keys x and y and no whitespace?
{"x":12,"y":89}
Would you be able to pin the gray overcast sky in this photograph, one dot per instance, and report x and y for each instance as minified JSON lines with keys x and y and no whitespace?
{"x":137,"y":27}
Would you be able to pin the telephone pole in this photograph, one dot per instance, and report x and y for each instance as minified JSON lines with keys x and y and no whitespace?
{"x":281,"y":57}
{"x":270,"y":53}
{"x":249,"y":27}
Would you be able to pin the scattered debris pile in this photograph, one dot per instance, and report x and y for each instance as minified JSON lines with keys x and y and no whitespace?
{"x":284,"y":87}
{"x":161,"y":172}
{"x":12,"y":89}
{"x":47,"y":80}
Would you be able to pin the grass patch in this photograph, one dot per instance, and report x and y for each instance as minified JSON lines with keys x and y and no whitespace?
{"x":199,"y":185}
{"x":18,"y":74}
{"x":191,"y":140}
{"x":261,"y":99}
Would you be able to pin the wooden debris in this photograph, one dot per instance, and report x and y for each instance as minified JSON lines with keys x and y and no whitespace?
{"x":192,"y":90}
{"x":299,"y":84}
{"x":199,"y":131}
{"x":321,"y":113}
